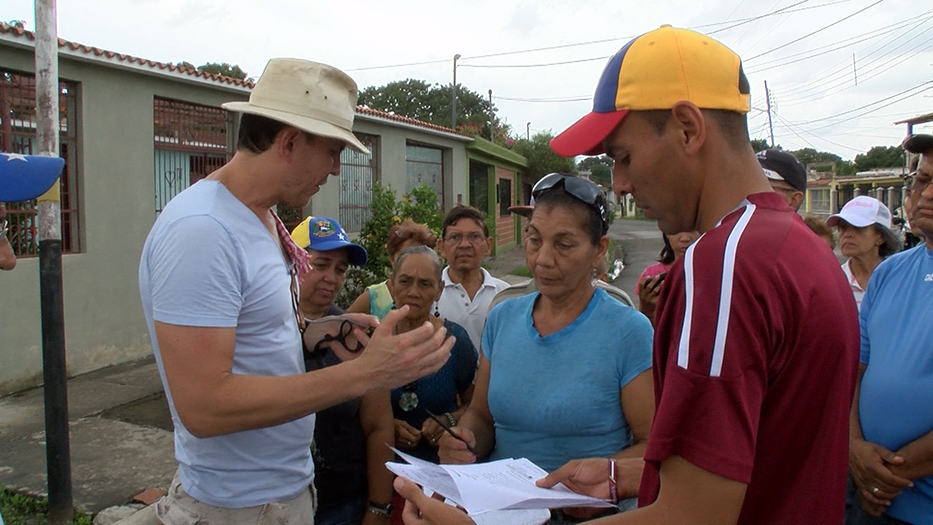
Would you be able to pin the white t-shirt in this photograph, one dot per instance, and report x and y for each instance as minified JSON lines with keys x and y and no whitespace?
{"x":455,"y":304}
{"x":857,"y":291}
{"x":210,"y":262}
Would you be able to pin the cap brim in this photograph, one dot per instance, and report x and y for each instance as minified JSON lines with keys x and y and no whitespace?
{"x":586,"y":136}
{"x":26,"y":177}
{"x":313,"y":126}
{"x":356,"y":253}
{"x":524,"y":211}
{"x":919,"y":144}
{"x":771,"y":174}
{"x":858,"y":222}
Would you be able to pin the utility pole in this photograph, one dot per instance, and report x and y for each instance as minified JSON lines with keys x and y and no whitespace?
{"x":770,"y":125}
{"x":492,"y":124}
{"x":57,"y":448}
{"x":528,"y":131}
{"x":854,"y":70}
{"x":453,"y":97}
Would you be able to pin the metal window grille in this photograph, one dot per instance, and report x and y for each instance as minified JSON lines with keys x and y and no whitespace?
{"x":425,"y":165}
{"x":358,"y":172}
{"x":191,"y":141}
{"x":18,"y":135}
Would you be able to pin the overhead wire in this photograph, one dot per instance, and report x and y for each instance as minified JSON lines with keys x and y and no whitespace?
{"x":785,"y":10}
{"x":808,"y":35}
{"x":865,"y":53}
{"x":884,"y":63}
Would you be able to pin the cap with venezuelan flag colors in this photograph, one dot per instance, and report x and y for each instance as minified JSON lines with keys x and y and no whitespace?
{"x":655,"y":71}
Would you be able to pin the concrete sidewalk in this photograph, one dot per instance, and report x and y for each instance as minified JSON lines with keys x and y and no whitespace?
{"x":112,"y":460}
{"x":121,"y":442}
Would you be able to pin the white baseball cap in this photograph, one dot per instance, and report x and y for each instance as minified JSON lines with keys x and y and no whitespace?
{"x":862,"y":211}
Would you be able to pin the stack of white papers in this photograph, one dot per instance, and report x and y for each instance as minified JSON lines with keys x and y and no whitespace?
{"x":497,"y":485}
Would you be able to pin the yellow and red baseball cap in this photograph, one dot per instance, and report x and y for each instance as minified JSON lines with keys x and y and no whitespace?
{"x":655,"y":71}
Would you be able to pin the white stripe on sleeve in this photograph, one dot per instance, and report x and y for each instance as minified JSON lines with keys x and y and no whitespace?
{"x":683,"y":351}
{"x":725,"y":294}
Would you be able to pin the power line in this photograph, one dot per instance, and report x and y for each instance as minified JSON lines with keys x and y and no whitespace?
{"x":835,"y":46}
{"x":785,"y":10}
{"x":829,"y":80}
{"x":843,"y":82}
{"x":916,"y":90}
{"x":604,"y":57}
{"x":555,"y":99}
{"x":808,"y":35}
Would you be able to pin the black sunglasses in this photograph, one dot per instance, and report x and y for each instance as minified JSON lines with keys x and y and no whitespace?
{"x":579,"y":188}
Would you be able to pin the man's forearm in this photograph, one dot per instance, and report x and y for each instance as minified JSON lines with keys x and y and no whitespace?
{"x":245,"y":402}
{"x":918,"y":458}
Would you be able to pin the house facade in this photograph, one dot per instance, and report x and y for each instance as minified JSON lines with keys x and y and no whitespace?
{"x":134,"y":134}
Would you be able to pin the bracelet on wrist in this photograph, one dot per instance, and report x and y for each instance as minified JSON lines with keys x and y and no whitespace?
{"x":613,"y":485}
{"x":384,"y":510}
{"x":450,"y":419}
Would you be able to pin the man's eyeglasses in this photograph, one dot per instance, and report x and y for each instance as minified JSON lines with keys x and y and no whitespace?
{"x":579,"y":188}
{"x":914,"y":184}
{"x":473,"y":238}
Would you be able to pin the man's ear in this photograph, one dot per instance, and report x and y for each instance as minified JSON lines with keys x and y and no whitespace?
{"x":690,"y":124}
{"x":287,"y":140}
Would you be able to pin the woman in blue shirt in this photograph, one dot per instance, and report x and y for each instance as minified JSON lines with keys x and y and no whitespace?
{"x":565,"y":372}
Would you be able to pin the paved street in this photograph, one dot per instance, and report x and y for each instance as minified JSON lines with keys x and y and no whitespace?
{"x":120,"y":438}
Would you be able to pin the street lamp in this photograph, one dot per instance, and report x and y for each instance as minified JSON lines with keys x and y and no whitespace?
{"x":453,"y":97}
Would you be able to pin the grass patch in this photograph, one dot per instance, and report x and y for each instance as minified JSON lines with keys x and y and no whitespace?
{"x":522,"y":271}
{"x":21,"y":509}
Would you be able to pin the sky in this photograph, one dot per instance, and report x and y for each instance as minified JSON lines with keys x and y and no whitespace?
{"x":840,"y":72}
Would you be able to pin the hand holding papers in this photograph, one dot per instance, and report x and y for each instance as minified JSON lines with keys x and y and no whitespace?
{"x":497,"y":485}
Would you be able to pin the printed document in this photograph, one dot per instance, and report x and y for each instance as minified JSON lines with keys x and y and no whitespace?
{"x":497,"y":485}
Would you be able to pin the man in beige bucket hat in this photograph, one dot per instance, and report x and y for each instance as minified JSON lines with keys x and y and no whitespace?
{"x":218,"y":279}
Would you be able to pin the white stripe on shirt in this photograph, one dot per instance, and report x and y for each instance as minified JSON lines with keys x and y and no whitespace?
{"x":725,"y":294}
{"x":725,"y":297}
{"x":683,"y":351}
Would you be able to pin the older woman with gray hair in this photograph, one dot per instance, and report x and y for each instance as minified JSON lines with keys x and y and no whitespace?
{"x":866,"y":238}
{"x":416,"y":282}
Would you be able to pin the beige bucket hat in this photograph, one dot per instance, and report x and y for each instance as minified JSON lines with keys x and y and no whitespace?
{"x":313,"y":97}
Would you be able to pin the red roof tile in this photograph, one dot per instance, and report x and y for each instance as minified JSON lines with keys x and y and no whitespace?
{"x":365,"y":110}
{"x":111,"y":55}
{"x":96,"y":51}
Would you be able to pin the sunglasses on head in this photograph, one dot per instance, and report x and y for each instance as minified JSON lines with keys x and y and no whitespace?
{"x":578,"y":188}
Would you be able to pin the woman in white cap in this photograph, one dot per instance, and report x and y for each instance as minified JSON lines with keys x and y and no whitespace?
{"x":866,"y":238}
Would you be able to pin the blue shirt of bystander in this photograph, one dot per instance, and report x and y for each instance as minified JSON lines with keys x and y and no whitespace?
{"x":895,"y":407}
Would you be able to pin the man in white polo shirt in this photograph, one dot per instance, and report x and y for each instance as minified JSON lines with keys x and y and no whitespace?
{"x":468,"y":287}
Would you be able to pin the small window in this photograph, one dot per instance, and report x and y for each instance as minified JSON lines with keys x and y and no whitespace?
{"x":505,"y":196}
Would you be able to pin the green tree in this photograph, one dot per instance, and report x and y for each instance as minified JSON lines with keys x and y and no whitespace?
{"x":760,"y":145}
{"x":880,"y":157}
{"x":420,"y":205}
{"x":431,"y":103}
{"x":218,"y":68}
{"x":810,"y":156}
{"x":600,"y":169}
{"x":541,"y":158}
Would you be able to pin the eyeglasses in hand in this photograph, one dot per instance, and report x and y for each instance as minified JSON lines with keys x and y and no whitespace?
{"x":346,"y":328}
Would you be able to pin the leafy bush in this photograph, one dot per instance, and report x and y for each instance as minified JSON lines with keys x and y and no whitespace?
{"x":420,"y":205}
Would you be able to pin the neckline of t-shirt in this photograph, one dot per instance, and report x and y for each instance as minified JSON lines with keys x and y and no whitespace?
{"x":566,"y":331}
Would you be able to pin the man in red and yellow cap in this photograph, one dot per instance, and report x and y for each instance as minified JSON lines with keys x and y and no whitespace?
{"x":754,"y":359}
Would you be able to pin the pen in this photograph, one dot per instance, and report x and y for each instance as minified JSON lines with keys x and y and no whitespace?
{"x":447,"y":429}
